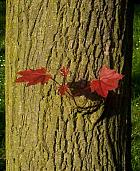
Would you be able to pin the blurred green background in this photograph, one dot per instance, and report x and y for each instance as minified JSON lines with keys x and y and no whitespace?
{"x":2,"y":102}
{"x":135,"y":89}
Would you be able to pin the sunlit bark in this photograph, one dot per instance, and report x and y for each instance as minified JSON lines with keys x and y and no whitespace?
{"x":45,"y":131}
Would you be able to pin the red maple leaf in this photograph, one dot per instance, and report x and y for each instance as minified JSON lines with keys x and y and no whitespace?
{"x":62,"y":89}
{"x":108,"y":80}
{"x":64,"y":71}
{"x":33,"y":77}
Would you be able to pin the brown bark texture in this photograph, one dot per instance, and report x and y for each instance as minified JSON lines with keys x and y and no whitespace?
{"x":45,"y":131}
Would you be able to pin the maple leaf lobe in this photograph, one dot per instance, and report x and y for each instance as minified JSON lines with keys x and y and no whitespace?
{"x":108,"y":80}
{"x":64,"y":71}
{"x":62,"y":89}
{"x":33,"y":77}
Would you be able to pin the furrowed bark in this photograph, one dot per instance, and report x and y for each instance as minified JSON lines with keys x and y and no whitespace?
{"x":45,"y":131}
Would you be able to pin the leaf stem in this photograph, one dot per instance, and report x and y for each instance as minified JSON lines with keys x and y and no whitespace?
{"x":55,"y":81}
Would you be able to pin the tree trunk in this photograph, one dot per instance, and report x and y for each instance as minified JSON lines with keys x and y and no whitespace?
{"x":45,"y":131}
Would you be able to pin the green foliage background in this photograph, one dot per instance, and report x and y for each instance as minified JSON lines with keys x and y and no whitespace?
{"x":2,"y":99}
{"x":135,"y":89}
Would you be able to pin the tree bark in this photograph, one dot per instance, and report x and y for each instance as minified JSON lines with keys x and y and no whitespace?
{"x":45,"y":131}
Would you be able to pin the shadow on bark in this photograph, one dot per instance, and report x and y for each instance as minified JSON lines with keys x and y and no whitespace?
{"x":82,"y":88}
